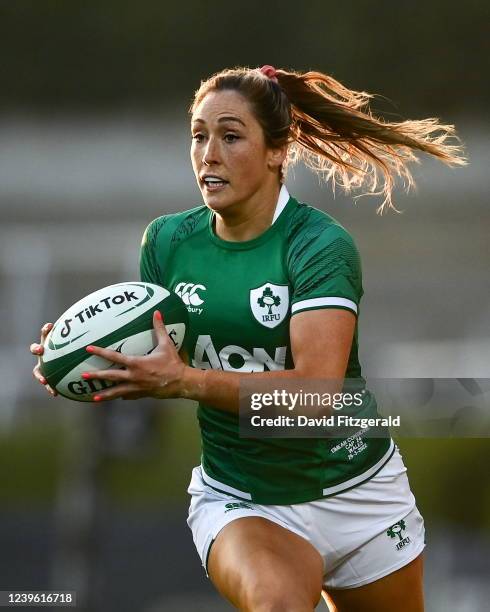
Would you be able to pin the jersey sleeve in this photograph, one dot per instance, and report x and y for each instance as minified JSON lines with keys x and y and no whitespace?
{"x":325,"y":270}
{"x":150,"y":271}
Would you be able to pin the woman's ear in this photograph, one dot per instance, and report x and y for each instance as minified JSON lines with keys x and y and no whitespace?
{"x":276,"y":157}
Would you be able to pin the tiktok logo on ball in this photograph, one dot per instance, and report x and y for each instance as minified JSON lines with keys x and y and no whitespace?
{"x":189,"y":294}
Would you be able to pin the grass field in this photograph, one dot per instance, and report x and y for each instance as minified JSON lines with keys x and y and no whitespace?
{"x":448,"y":476}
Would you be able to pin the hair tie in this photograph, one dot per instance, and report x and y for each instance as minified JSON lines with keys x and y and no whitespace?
{"x":269,"y":72}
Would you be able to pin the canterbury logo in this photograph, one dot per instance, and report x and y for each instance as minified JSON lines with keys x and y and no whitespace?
{"x":189,"y":293}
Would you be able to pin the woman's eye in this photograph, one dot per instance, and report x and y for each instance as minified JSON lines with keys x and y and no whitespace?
{"x":231,"y":138}
{"x":198,"y":137}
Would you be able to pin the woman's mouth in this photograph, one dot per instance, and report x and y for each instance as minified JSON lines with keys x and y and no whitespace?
{"x":214,"y":183}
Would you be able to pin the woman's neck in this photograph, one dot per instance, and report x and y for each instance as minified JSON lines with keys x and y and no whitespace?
{"x":251,"y":219}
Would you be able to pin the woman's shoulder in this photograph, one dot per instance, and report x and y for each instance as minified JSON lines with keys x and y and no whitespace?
{"x":176,"y":225}
{"x":307,"y":224}
{"x":319,"y":247}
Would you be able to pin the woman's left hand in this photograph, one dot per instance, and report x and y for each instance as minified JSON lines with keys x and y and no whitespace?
{"x":158,"y":374}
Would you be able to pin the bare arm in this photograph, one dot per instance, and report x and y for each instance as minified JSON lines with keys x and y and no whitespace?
{"x":320,"y":341}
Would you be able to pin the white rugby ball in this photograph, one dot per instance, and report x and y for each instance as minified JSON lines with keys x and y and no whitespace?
{"x":119,"y":317}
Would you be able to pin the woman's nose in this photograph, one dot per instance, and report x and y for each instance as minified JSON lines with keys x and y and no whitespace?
{"x":211,"y":152}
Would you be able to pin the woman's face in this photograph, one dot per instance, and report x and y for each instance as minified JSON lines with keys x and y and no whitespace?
{"x":229,"y":156}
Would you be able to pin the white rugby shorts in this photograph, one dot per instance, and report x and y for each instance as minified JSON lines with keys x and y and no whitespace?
{"x":362,"y":534}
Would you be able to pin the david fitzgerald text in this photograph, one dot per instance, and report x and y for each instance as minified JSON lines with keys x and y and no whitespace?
{"x":332,"y":421}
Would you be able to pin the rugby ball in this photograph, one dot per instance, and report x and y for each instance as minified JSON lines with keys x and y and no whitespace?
{"x":119,"y":317}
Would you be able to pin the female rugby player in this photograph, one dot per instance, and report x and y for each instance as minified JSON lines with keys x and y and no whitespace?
{"x":276,"y":522}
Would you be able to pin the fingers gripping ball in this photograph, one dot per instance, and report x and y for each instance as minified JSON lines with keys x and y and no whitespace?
{"x":118,"y":317}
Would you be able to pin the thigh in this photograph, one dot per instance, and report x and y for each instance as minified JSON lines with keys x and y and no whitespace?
{"x":401,"y":590}
{"x":259,"y":565}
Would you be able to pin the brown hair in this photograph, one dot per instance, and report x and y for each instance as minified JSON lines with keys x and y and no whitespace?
{"x":332,"y":130}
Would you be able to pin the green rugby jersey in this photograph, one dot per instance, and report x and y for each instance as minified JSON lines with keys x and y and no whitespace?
{"x":238,"y":324}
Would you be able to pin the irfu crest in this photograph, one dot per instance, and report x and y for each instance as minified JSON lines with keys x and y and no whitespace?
{"x":397,"y":530}
{"x":268,"y":299}
{"x":270,"y":304}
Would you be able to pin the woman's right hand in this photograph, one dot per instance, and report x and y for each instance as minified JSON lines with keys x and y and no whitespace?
{"x":38,"y":349}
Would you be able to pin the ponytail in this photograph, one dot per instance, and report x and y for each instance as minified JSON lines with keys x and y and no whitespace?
{"x":331,"y":129}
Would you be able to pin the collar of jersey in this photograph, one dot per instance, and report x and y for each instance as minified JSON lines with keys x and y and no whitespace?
{"x":285,"y":201}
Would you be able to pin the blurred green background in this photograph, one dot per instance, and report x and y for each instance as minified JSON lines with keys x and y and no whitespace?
{"x":158,"y":473}
{"x":94,"y":144}
{"x":423,"y":56}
